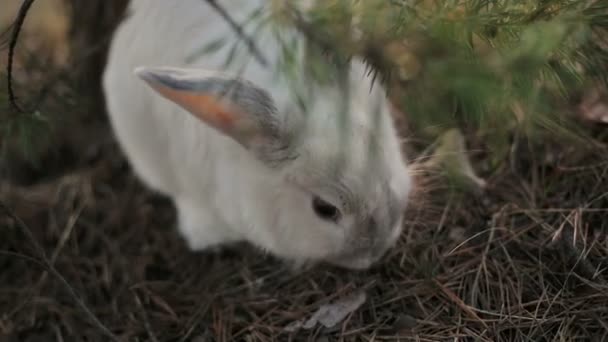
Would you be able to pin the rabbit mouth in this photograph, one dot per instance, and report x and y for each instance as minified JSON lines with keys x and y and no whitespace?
{"x":359,"y":261}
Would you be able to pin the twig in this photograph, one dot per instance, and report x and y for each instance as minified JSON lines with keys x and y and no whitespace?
{"x":57,"y":76}
{"x":309,"y":32}
{"x":239,"y":31}
{"x":51,"y":269}
{"x":459,"y":302}
{"x":25,"y":7}
{"x":63,"y":73}
{"x":144,"y":314}
{"x":67,"y":232}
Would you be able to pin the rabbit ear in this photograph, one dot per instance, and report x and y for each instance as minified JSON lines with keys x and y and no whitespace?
{"x":235,"y":107}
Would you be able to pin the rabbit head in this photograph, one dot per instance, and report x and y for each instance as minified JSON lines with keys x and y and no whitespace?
{"x":332,"y":187}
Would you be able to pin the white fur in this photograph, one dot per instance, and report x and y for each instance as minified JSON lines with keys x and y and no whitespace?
{"x":221,"y":191}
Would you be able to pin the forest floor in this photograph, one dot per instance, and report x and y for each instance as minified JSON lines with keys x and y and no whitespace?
{"x":85,"y":250}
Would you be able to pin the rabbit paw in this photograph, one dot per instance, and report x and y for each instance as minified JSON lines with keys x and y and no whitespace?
{"x":201,"y":228}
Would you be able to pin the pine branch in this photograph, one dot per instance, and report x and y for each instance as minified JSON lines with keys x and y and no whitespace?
{"x":253,"y":49}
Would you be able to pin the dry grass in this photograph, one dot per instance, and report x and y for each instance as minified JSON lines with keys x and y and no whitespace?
{"x":524,"y":261}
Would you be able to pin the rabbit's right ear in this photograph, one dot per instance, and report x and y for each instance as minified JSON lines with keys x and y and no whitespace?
{"x":235,"y":107}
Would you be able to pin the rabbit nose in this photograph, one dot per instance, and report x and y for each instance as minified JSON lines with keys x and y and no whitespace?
{"x":370,"y":238}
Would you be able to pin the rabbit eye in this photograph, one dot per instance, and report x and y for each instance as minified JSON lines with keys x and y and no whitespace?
{"x":325,"y":210}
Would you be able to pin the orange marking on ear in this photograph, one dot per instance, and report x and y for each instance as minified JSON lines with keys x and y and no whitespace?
{"x":221,"y":114}
{"x":205,"y":107}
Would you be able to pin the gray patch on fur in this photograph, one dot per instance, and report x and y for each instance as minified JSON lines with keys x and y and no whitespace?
{"x":375,"y":224}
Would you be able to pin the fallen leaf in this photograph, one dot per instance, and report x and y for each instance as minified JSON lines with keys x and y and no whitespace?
{"x":293,"y":326}
{"x":329,"y":315}
{"x":451,"y":156}
{"x":594,"y":106}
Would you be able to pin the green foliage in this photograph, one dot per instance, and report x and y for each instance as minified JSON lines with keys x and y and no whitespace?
{"x":488,"y":66}
{"x":23,"y":134}
{"x":491,"y":67}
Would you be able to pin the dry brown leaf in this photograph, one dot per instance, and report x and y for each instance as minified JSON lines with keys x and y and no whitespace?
{"x":451,"y":156}
{"x":329,"y":315}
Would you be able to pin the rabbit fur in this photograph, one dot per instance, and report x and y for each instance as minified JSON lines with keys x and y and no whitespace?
{"x":241,"y":160}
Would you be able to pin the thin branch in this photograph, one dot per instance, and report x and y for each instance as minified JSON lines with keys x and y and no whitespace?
{"x":145,"y":318}
{"x":253,"y":49}
{"x":309,"y":32}
{"x":51,"y":269}
{"x":25,"y":7}
{"x":61,"y":74}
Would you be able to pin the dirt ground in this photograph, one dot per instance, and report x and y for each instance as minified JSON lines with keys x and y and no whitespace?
{"x":88,"y":254}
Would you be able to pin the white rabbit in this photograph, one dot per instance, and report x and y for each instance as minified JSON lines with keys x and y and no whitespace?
{"x":240,"y":158}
